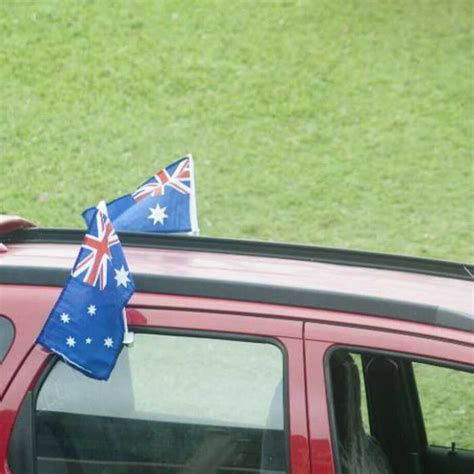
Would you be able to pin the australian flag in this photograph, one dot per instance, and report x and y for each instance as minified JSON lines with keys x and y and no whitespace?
{"x":86,"y":327}
{"x":166,"y":203}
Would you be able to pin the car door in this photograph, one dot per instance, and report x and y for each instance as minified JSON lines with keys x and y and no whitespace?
{"x":197,"y":391}
{"x":414,"y":401}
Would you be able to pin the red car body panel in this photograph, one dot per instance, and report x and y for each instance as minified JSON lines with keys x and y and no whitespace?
{"x":288,"y":333}
{"x":416,"y":288}
{"x":306,"y":333}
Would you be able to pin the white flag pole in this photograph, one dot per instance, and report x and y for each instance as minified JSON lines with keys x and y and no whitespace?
{"x":127,"y":335}
{"x":192,"y":204}
{"x":102,"y":206}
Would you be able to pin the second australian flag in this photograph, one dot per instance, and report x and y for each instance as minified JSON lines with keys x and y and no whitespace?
{"x":165,"y":203}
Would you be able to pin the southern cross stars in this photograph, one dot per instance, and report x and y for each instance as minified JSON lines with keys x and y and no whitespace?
{"x":65,"y":318}
{"x":91,"y":310}
{"x":122,"y":277}
{"x":108,"y":342}
{"x":70,"y":341}
{"x":158,"y":214}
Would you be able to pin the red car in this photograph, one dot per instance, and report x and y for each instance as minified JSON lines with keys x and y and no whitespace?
{"x":247,"y":357}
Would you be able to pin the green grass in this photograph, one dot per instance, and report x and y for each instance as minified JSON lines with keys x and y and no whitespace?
{"x":446,"y":402}
{"x":335,"y":123}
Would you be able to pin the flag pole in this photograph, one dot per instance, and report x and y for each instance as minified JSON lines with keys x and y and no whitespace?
{"x":128,"y":337}
{"x":192,"y":198}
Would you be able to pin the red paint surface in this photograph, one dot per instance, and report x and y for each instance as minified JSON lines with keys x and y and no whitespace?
{"x":318,"y":416}
{"x":402,"y":343}
{"x":9,"y":223}
{"x":416,"y":288}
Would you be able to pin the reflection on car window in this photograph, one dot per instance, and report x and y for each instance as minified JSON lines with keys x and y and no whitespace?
{"x":358,"y":452}
{"x":394,"y":442}
{"x":363,"y":396}
{"x":6,"y":336}
{"x":448,"y":414}
{"x":173,"y":404}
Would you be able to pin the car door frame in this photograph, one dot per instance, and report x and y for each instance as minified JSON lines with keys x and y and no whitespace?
{"x":323,"y":337}
{"x":287,"y":334}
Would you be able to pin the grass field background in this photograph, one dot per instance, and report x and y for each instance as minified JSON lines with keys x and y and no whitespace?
{"x":335,"y":123}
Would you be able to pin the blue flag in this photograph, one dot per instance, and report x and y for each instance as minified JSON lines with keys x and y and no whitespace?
{"x":86,"y":327}
{"x":166,"y":203}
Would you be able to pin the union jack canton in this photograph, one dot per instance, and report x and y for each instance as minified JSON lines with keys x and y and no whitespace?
{"x":165,"y":203}
{"x":156,"y":186}
{"x":86,"y":326}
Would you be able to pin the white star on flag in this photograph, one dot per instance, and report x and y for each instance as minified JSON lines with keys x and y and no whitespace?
{"x":122,"y":277}
{"x":91,"y":309}
{"x":65,"y":318}
{"x":70,"y":341}
{"x":88,"y":340}
{"x":158,"y":214}
{"x":108,"y":342}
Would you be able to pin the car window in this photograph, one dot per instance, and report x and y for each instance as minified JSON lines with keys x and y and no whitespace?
{"x":394,"y":440}
{"x":172,"y":404}
{"x":363,"y":395}
{"x":6,"y":336}
{"x":447,"y":403}
{"x":357,"y":451}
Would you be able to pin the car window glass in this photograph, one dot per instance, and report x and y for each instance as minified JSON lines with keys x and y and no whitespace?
{"x":6,"y":336}
{"x":363,"y":395}
{"x":356,"y":450}
{"x":448,"y":414}
{"x":396,"y":443}
{"x":172,"y":403}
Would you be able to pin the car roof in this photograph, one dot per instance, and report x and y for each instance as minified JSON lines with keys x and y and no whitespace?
{"x":405,"y":288}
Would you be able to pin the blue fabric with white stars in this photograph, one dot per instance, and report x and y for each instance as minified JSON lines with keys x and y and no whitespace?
{"x":86,"y":325}
{"x":173,"y":210}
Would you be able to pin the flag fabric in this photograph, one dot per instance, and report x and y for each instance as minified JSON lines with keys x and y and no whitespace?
{"x":86,"y":326}
{"x":166,"y":203}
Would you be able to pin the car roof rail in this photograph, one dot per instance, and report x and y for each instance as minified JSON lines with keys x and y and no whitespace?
{"x":309,"y":253}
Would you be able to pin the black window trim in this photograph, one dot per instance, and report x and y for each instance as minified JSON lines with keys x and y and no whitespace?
{"x":53,"y":359}
{"x":361,"y":350}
